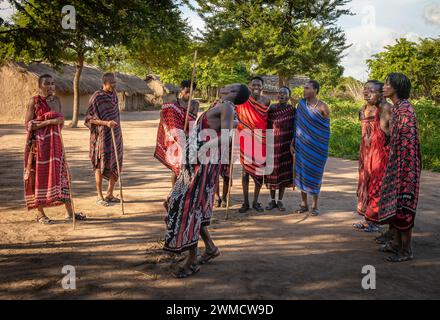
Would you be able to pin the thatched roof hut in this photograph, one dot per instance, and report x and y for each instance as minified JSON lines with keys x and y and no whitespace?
{"x":19,"y":82}
{"x":271,"y":85}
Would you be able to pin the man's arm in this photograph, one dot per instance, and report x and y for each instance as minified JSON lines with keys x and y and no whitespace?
{"x":30,"y":110}
{"x":110,"y":124}
{"x":325,"y":110}
{"x":227,"y":115}
{"x":385,"y":118}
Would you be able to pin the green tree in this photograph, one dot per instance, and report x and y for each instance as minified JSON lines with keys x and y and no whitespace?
{"x":36,"y":33}
{"x":419,"y":61}
{"x":275,"y":37}
{"x":212,"y":72}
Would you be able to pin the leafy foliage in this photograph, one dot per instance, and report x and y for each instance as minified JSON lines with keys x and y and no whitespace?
{"x":419,"y":61}
{"x":346,"y":132}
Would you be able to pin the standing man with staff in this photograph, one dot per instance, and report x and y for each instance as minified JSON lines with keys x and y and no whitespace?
{"x":46,"y":174}
{"x":101,"y":118}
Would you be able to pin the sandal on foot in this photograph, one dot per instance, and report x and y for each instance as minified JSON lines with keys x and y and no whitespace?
{"x":257,"y":206}
{"x":112,"y":199}
{"x":371,"y":228}
{"x":281,"y":206}
{"x":103,"y":202}
{"x":206,"y":257}
{"x":382,"y":239}
{"x":44,"y":220}
{"x":302,"y":209}
{"x":78,"y":216}
{"x":359,"y":225}
{"x":315,"y":212}
{"x":271,"y":205}
{"x":400,"y":257}
{"x":218,"y":203}
{"x":388,"y":247}
{"x":244,"y":208}
{"x":224,"y":203}
{"x":184,"y":272}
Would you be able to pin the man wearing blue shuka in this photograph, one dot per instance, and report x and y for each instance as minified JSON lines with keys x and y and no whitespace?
{"x":310,"y":146}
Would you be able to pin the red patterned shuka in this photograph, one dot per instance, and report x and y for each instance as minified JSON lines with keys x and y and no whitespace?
{"x":168,"y":145}
{"x":281,"y":121}
{"x":400,"y":188}
{"x":45,"y":172}
{"x":252,"y":126}
{"x":104,"y":106}
{"x":373,"y":160}
{"x":191,"y":200}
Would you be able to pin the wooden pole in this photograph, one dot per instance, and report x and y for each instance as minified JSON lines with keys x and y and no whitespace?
{"x":294,"y":174}
{"x":185,"y":128}
{"x":119,"y":170}
{"x":68,"y":179}
{"x":231,"y":172}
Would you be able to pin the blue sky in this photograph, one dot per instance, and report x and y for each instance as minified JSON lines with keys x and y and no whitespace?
{"x":377,"y":23}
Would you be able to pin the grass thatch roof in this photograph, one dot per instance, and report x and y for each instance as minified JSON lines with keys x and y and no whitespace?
{"x":171,"y":88}
{"x":271,"y":83}
{"x":91,"y":78}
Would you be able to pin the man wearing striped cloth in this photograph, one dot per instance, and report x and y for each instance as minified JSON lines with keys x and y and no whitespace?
{"x":102,"y":116}
{"x":252,"y":116}
{"x":310,"y":146}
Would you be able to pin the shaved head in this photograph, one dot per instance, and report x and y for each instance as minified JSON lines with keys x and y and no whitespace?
{"x":108,"y":77}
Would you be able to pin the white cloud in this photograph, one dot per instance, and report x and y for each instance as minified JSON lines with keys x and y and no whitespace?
{"x":378,"y":23}
{"x":431,"y":14}
{"x":366,"y":41}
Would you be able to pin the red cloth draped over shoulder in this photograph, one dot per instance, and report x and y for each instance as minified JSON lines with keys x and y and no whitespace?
{"x":46,"y":182}
{"x":170,"y":141}
{"x":252,"y":126}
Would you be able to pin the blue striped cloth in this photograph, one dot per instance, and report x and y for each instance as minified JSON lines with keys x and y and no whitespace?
{"x":312,"y":136}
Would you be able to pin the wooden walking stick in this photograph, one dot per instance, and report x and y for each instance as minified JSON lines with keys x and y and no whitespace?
{"x":119,"y":169}
{"x":68,"y":179}
{"x":190,"y":92}
{"x":294,"y":174}
{"x":231,"y":171}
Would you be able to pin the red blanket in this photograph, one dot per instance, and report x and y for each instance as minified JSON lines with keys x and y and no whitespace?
{"x":401,"y":182}
{"x":103,"y":105}
{"x":373,"y":162}
{"x":46,"y":184}
{"x":170,"y":139}
{"x":281,"y":121}
{"x":252,"y":127}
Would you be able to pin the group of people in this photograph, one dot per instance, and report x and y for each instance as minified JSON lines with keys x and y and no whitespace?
{"x":297,"y":132}
{"x":389,"y":165}
{"x":297,"y":135}
{"x":46,"y":172}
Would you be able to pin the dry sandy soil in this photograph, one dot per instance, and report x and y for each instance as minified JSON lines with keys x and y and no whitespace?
{"x":271,"y":255}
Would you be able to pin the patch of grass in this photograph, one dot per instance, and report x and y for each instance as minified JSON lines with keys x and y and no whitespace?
{"x":346,"y":131}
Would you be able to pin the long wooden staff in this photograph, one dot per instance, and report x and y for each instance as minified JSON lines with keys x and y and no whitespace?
{"x":294,"y":173}
{"x":119,"y":170}
{"x":294,"y":103}
{"x":190,"y":92}
{"x":231,"y":172}
{"x":68,"y":179}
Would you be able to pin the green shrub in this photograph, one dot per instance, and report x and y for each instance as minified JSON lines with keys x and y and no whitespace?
{"x":346,"y":131}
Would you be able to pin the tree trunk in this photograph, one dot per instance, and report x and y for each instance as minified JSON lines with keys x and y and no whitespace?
{"x":282,"y":81}
{"x":76,"y":93}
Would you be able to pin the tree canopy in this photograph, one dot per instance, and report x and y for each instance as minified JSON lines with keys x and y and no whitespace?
{"x":419,"y":61}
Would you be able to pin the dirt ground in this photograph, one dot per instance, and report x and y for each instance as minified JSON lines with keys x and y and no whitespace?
{"x":270,"y":255}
